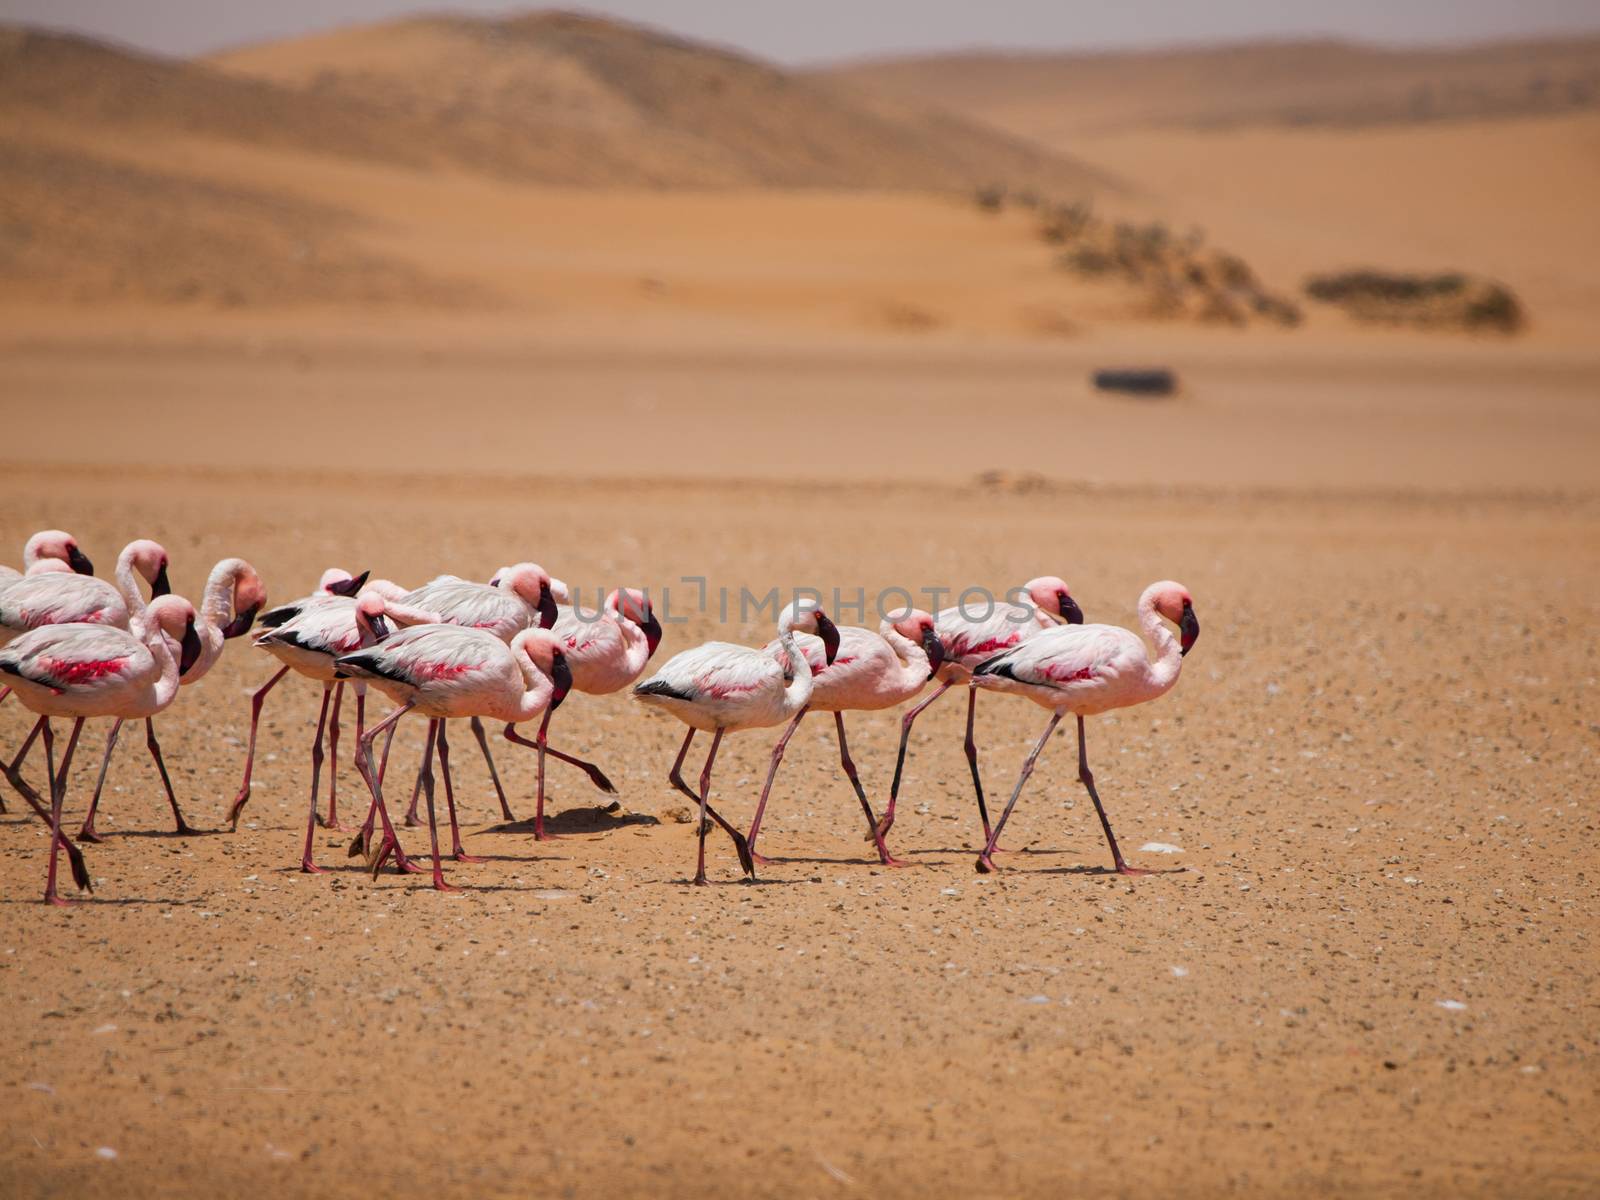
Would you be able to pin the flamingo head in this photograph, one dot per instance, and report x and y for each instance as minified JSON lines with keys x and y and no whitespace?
{"x":56,"y":545}
{"x":1172,"y":601}
{"x":545,"y":650}
{"x":370,"y":610}
{"x":1051,"y":594}
{"x":336,"y":581}
{"x":150,"y":560}
{"x":635,"y":606}
{"x":919,"y":627}
{"x":533,"y":583}
{"x":249,"y":598}
{"x":805,"y":615}
{"x":175,"y":617}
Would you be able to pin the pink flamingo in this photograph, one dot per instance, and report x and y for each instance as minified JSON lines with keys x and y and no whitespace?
{"x":336,"y":584}
{"x":723,"y":688}
{"x":233,"y":596}
{"x":447,"y":671}
{"x":62,"y":599}
{"x":1088,"y":669}
{"x":48,"y":550}
{"x":308,"y":644}
{"x":872,"y":670}
{"x":518,"y":597}
{"x":82,"y":671}
{"x":968,"y":640}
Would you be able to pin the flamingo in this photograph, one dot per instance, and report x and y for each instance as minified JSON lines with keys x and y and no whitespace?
{"x":308,"y":644}
{"x":46,"y":551}
{"x":873,"y":670}
{"x":234,"y":594}
{"x":722,"y":688}
{"x":335,"y":584}
{"x":54,"y":598}
{"x":1089,"y":669}
{"x":968,"y":640}
{"x":518,"y":597}
{"x":447,"y":671}
{"x":85,"y":670}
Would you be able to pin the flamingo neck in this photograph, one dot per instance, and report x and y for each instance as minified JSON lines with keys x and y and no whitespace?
{"x":798,"y":692}
{"x":635,"y":646}
{"x":538,"y":688}
{"x":216,"y":605}
{"x":160,"y":648}
{"x":128,"y":585}
{"x":913,"y":658}
{"x":1169,"y":655}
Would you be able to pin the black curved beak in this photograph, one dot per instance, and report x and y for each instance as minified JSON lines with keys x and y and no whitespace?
{"x":349,"y":587}
{"x":829,"y":633}
{"x":495,"y":582}
{"x":547,"y":607}
{"x":380,"y":627}
{"x":161,"y":585}
{"x":78,"y":561}
{"x":1188,"y":629}
{"x":934,"y":649}
{"x":191,"y":648}
{"x":1070,"y":612}
{"x":240,"y":625}
{"x":652,"y":630}
{"x":561,"y":677}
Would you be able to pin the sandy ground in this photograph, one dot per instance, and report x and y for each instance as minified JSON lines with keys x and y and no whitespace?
{"x":1379,"y":766}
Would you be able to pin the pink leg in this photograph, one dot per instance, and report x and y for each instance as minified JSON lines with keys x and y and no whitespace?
{"x":5,"y":694}
{"x":58,"y":793}
{"x":306,"y":864}
{"x":705,"y":791}
{"x":772,"y":771}
{"x":985,"y":861}
{"x":88,"y":833}
{"x":488,"y":761}
{"x":391,"y":841}
{"x":13,"y":773}
{"x":675,"y":777}
{"x":882,"y":827}
{"x":413,"y":818}
{"x":595,"y":774}
{"x":456,"y":850}
{"x":183,"y":828}
{"x":1086,"y":777}
{"x":333,"y":760}
{"x":250,"y":755}
{"x":361,"y":843}
{"x":433,"y":825}
{"x":849,"y":766}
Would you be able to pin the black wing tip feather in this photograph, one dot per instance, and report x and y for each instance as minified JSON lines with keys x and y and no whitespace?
{"x":1000,"y":665}
{"x":371,"y":664}
{"x":275,"y":617}
{"x":660,"y":687}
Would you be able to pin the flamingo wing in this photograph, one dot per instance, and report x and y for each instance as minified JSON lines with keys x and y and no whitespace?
{"x":982,"y":630}
{"x":1069,"y":658}
{"x":473,"y":605}
{"x":56,"y":600}
{"x":712,"y":672}
{"x":423,"y":654}
{"x":79,"y":657}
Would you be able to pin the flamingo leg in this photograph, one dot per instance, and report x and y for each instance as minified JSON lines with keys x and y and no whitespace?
{"x":5,"y":694}
{"x":456,"y":851}
{"x":306,"y":865}
{"x":772,"y":771}
{"x":80,"y":870}
{"x":58,"y":793}
{"x":333,"y":760}
{"x":985,"y":860}
{"x":412,"y":817}
{"x":1086,"y":777}
{"x":675,"y":776}
{"x":542,"y":738}
{"x":705,"y":792}
{"x":439,"y":884}
{"x":882,"y":827}
{"x":971,"y":748}
{"x":595,"y":774}
{"x":849,"y":766}
{"x":250,"y":754}
{"x":363,"y":839}
{"x":391,"y":841}
{"x":183,"y":828}
{"x":488,"y":761}
{"x":88,"y":832}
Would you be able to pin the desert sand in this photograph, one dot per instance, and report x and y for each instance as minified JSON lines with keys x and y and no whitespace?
{"x":345,"y":341}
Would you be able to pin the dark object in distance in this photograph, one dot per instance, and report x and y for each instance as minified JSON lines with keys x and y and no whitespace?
{"x":1156,"y":381}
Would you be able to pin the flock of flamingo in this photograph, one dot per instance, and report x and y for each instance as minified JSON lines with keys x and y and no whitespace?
{"x":511,"y":650}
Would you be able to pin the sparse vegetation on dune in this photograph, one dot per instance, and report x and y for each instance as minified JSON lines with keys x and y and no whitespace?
{"x":1448,"y":300}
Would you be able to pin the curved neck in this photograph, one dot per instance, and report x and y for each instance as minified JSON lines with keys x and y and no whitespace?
{"x":161,"y":650}
{"x":128,"y":585}
{"x":798,"y":693}
{"x":1169,"y":655}
{"x":216,"y":606}
{"x":538,"y":688}
{"x":913,"y":666}
{"x":635,"y":646}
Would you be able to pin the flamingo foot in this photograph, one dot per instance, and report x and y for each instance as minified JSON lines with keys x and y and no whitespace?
{"x":985,"y":865}
{"x":184,"y":829}
{"x":1123,"y":868}
{"x":307,"y":867}
{"x":700,"y":880}
{"x":411,"y":822}
{"x":886,"y":859}
{"x":462,"y":856}
{"x":539,"y":834}
{"x":236,"y":809}
{"x":88,"y":834}
{"x":439,"y":885}
{"x":58,"y":901}
{"x":747,"y":856}
{"x":756,"y":860}
{"x":333,"y":823}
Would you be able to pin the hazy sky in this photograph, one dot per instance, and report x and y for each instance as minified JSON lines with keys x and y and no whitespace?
{"x":811,"y":30}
